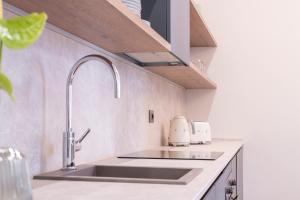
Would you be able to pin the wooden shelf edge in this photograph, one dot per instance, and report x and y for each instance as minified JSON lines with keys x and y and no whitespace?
{"x":200,"y":36}
{"x":166,"y":46}
{"x":190,"y":77}
{"x":113,"y":26}
{"x":212,"y":84}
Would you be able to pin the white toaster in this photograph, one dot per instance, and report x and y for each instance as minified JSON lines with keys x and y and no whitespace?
{"x":200,"y":133}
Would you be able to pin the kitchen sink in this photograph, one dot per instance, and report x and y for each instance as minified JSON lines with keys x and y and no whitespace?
{"x":105,"y":173}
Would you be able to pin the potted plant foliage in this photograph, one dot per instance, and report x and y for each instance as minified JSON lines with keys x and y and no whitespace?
{"x":16,"y":33}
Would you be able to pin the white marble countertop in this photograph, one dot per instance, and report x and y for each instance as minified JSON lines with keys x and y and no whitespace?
{"x":62,"y":190}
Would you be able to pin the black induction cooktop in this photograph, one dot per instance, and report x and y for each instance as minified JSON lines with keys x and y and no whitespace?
{"x":179,"y":155}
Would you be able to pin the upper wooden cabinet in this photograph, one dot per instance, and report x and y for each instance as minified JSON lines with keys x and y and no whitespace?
{"x":110,"y":25}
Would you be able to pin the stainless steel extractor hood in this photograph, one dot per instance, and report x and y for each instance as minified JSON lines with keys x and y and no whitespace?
{"x":154,"y":59}
{"x":171,"y":19}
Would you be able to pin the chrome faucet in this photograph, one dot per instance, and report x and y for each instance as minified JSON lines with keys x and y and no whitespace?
{"x":70,"y":145}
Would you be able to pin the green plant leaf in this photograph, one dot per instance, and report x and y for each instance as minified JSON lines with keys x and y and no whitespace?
{"x":21,"y":32}
{"x":6,"y":85}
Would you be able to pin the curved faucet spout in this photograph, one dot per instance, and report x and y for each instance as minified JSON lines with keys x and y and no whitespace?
{"x":71,"y":76}
{"x":69,"y":136}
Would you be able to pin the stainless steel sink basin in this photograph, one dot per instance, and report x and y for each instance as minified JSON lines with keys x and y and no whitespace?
{"x":105,"y":173}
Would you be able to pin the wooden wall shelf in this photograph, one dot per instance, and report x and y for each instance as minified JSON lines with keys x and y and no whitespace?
{"x":189,"y":77}
{"x":106,"y":23}
{"x":110,"y":25}
{"x":200,"y":36}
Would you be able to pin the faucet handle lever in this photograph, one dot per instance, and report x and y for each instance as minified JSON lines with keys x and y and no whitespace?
{"x":78,"y":142}
{"x":83,"y":136}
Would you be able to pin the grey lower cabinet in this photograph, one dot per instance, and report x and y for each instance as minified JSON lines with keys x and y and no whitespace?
{"x":229,"y":184}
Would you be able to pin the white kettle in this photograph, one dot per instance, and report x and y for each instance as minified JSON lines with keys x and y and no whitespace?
{"x":179,"y":132}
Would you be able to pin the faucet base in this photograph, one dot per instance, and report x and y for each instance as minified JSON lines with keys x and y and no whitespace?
{"x":69,"y":168}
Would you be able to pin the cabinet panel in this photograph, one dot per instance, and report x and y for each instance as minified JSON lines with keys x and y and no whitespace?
{"x":240,"y":174}
{"x":222,"y":182}
{"x":171,"y":20}
{"x":211,"y":195}
{"x":229,"y":184}
{"x":158,"y":13}
{"x":232,"y":181}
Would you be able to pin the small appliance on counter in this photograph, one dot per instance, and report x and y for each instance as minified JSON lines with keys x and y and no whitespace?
{"x":179,"y":132}
{"x":200,"y":133}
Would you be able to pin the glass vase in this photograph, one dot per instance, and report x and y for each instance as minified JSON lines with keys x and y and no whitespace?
{"x":14,"y":177}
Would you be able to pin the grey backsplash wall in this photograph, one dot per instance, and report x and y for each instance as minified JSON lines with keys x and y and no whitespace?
{"x":35,"y":121}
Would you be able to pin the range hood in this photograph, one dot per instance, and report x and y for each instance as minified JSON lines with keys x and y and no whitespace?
{"x":154,"y":59}
{"x":171,"y":19}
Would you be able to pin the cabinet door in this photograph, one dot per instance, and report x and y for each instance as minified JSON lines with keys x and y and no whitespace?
{"x":211,"y":194}
{"x":229,"y":185}
{"x":240,"y":174}
{"x":222,"y":183}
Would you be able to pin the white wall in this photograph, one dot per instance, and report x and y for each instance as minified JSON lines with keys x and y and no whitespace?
{"x":257,"y":68}
{"x":34,"y":123}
